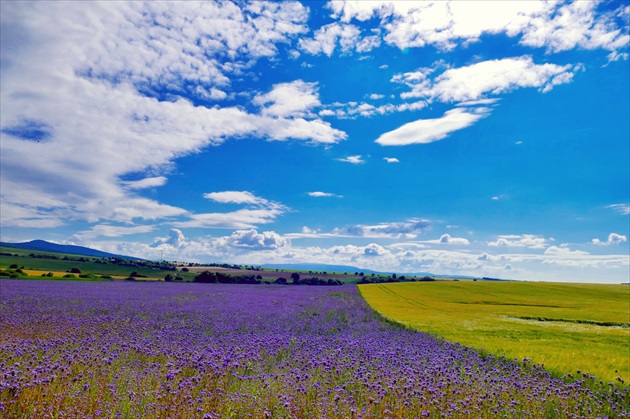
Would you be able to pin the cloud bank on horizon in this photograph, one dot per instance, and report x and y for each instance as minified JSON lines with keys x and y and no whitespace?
{"x":266,"y":132}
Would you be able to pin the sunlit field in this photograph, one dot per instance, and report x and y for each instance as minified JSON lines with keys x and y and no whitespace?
{"x":167,"y":350}
{"x":566,"y":327}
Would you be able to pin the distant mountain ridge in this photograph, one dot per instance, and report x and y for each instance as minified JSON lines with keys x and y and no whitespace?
{"x":44,"y":246}
{"x":317,"y":267}
{"x":350,"y":269}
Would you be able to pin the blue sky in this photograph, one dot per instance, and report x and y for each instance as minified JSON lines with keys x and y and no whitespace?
{"x":471,"y":138}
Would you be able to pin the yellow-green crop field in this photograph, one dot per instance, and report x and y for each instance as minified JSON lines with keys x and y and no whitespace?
{"x":566,"y":327}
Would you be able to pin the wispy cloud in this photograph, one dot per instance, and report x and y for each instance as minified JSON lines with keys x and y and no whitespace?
{"x":409,"y":229}
{"x":235,"y":197}
{"x":259,"y":211}
{"x":620,"y":208}
{"x":531,"y":241}
{"x":324,"y":195}
{"x":107,"y":230}
{"x":358,"y":159}
{"x":150,"y":182}
{"x":475,"y":81}
{"x":391,"y":159}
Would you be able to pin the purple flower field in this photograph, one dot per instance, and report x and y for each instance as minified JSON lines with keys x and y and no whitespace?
{"x":166,"y":350}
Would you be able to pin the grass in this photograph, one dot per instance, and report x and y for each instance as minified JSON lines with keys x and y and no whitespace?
{"x":565,"y":327}
{"x":35,"y":266}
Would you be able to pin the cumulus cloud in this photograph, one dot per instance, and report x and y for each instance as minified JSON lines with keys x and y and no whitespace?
{"x":347,"y":37}
{"x":295,"y":99}
{"x":447,"y":239}
{"x":253,"y":240}
{"x":374,"y":249}
{"x":175,"y":239}
{"x":106,"y":63}
{"x":613,"y":238}
{"x":252,"y":247}
{"x":425,"y":131}
{"x":391,"y":159}
{"x":556,"y":26}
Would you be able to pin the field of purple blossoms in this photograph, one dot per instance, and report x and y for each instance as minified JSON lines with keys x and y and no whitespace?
{"x":168,"y":350}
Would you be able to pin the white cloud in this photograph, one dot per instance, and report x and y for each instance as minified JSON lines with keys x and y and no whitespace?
{"x":563,"y":251}
{"x":374,"y":249}
{"x":351,"y":110}
{"x":620,"y":208}
{"x":327,"y":38}
{"x":424,"y":131}
{"x":376,"y":96}
{"x":324,"y":195}
{"x":613,"y":238}
{"x":240,"y":219}
{"x":391,"y":159}
{"x":576,"y":24}
{"x":252,"y":240}
{"x":175,"y":239}
{"x":252,"y":247}
{"x":212,"y":94}
{"x":353,"y":159}
{"x":235,"y":197}
{"x":260,"y":211}
{"x":106,"y":230}
{"x":104,"y":63}
{"x":556,"y":26}
{"x":447,"y":239}
{"x":368,"y":43}
{"x":150,"y":182}
{"x":474,"y":82}
{"x":295,"y":99}
{"x":409,"y":229}
{"x":531,"y":241}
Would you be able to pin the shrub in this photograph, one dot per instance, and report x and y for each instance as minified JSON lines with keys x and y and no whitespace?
{"x":206,"y":278}
{"x":75,"y":271}
{"x":69,"y":276}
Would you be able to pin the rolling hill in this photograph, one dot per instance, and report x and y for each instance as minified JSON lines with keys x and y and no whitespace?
{"x":44,"y":246}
